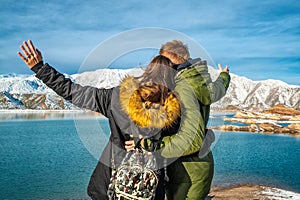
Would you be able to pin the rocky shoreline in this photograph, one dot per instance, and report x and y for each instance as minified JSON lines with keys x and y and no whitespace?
{"x":251,"y":192}
{"x":275,"y":120}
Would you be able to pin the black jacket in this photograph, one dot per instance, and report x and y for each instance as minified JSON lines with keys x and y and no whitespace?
{"x":104,"y":101}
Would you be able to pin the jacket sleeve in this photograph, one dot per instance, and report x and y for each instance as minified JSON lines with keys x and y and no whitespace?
{"x":87,"y":97}
{"x":190,"y":135}
{"x":207,"y":91}
{"x":218,"y":88}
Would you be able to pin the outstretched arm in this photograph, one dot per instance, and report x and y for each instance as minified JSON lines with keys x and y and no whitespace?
{"x":84,"y":97}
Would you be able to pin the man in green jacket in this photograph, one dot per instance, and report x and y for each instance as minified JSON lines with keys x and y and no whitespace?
{"x":189,"y":170}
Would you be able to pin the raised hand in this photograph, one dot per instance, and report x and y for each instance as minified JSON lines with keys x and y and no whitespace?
{"x":32,"y":56}
{"x":223,"y":70}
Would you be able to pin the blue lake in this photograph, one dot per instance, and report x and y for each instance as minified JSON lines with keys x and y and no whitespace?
{"x":47,"y":159}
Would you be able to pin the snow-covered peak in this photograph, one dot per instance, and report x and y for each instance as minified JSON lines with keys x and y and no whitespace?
{"x":272,"y":82}
{"x":22,"y":84}
{"x":105,"y":78}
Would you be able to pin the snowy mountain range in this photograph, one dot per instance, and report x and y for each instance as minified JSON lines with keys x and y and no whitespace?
{"x":27,"y":92}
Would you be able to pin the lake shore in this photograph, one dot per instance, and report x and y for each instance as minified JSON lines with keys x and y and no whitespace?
{"x":31,"y":114}
{"x":251,"y":192}
{"x":40,"y":111}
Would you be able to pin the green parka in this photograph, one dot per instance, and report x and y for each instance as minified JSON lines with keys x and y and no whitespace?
{"x":190,"y":175}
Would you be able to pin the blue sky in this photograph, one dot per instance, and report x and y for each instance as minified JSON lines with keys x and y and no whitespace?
{"x":257,"y":40}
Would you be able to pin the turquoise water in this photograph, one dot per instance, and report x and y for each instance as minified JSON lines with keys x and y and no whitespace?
{"x":255,"y":158}
{"x":45,"y":159}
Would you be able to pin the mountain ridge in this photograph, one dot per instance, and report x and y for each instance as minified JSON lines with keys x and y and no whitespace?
{"x":20,"y":91}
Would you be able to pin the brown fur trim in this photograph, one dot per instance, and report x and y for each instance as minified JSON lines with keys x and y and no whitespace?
{"x":128,"y":85}
{"x":144,"y":113}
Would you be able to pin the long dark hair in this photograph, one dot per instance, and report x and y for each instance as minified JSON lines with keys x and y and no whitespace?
{"x":157,"y":80}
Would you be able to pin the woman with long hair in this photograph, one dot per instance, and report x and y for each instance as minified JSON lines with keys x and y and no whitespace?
{"x":144,"y":104}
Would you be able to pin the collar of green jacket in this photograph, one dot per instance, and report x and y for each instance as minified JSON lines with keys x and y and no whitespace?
{"x":189,"y":63}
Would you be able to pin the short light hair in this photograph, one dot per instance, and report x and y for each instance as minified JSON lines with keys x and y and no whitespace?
{"x":176,"y":51}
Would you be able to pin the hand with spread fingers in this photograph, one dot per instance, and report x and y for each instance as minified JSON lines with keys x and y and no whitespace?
{"x":32,"y":56}
{"x":223,"y":70}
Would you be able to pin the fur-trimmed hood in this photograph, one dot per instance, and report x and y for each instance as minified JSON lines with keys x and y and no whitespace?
{"x":144,"y":113}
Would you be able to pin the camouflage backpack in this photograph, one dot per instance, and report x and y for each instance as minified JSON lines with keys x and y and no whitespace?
{"x":136,"y":178}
